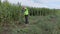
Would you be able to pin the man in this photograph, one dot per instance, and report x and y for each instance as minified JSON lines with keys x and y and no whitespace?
{"x":26,"y":15}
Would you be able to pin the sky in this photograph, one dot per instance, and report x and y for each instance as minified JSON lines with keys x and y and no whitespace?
{"x":38,"y":3}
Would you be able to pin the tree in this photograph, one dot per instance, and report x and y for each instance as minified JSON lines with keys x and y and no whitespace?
{"x":0,"y":2}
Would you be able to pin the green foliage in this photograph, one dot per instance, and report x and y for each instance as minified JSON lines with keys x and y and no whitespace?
{"x":41,"y":11}
{"x":9,"y":12}
{"x":49,"y":23}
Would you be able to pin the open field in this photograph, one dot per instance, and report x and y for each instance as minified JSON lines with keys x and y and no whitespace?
{"x":37,"y":25}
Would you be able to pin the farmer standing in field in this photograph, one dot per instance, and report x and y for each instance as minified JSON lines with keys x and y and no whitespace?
{"x":26,"y":13}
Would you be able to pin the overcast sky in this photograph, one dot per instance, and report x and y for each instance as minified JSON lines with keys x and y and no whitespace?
{"x":39,"y":3}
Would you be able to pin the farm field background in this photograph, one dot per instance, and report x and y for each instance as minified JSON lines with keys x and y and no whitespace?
{"x":41,"y":20}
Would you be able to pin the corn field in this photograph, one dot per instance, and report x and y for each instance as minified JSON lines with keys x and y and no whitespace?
{"x":10,"y":12}
{"x":42,"y":20}
{"x":41,"y":12}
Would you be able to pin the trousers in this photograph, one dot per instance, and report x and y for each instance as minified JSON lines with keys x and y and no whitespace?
{"x":26,"y":19}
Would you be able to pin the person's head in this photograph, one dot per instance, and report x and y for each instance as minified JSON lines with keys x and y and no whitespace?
{"x":24,"y":7}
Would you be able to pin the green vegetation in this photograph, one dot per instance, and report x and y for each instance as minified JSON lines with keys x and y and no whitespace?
{"x":42,"y":20}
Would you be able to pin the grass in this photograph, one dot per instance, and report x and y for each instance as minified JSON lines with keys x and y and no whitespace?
{"x":37,"y":25}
